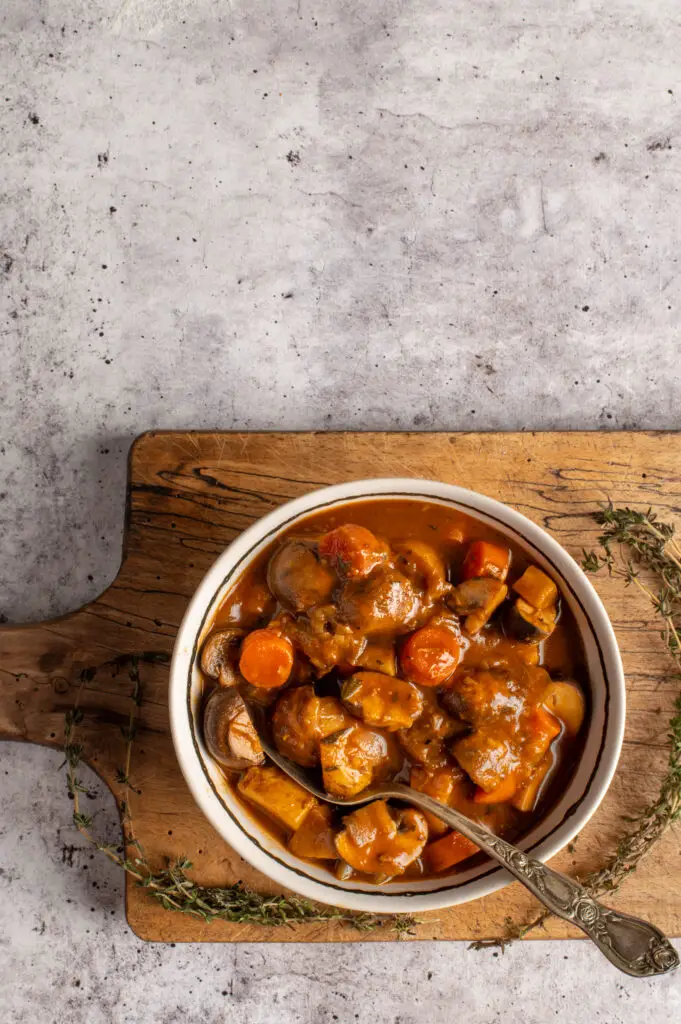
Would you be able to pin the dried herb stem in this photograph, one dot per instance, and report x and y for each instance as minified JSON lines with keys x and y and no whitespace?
{"x":171,"y":886}
{"x":644,"y":545}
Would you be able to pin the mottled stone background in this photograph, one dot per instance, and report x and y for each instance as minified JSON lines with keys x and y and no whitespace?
{"x":406,"y":214}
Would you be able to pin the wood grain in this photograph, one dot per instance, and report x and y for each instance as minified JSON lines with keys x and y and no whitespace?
{"x":190,"y":494}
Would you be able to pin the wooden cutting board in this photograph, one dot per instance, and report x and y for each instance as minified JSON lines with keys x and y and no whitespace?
{"x":189,"y":495}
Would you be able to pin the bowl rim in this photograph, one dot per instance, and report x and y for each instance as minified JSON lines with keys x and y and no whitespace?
{"x":242,"y":550}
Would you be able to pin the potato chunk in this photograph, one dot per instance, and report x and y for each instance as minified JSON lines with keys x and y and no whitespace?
{"x":277,"y":795}
{"x":379,"y":840}
{"x":315,"y":837}
{"x":536,"y":588}
{"x":565,"y":700}
{"x":382,"y":700}
{"x":354,"y":758}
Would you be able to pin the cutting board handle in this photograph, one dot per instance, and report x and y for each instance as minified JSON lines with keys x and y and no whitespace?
{"x":47,"y":666}
{"x":40,"y":666}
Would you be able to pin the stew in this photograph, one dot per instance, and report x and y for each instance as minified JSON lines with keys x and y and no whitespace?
{"x":395,"y":639}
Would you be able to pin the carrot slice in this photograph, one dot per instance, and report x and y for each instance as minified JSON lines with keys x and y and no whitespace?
{"x":486,"y":559}
{"x":266,"y":659}
{"x":500,"y":794}
{"x":446,"y":852}
{"x":430,"y":655}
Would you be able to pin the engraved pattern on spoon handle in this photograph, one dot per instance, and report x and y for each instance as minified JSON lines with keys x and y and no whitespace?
{"x":634,"y":946}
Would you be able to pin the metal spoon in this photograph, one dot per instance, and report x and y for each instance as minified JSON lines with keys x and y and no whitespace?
{"x":632,"y":945}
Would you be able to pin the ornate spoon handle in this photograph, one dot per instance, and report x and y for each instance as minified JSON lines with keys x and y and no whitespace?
{"x":633,"y":945}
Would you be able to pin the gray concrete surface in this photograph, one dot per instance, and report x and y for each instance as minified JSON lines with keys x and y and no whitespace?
{"x":307,"y":214}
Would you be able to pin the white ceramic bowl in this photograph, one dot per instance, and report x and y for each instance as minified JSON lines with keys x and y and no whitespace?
{"x":579,"y":801}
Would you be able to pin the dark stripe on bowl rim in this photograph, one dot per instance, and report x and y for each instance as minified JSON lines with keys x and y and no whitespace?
{"x":474,"y":512}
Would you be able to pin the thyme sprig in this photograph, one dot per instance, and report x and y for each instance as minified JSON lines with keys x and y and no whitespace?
{"x":170,"y":885}
{"x":635,"y":543}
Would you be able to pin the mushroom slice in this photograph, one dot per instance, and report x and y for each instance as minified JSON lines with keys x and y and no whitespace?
{"x":528,"y":624}
{"x":477,"y":599}
{"x":378,"y":656}
{"x":298,"y":579}
{"x":219,"y":655}
{"x":228,"y":731}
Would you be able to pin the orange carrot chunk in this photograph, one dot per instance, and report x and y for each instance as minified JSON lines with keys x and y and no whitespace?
{"x":266,"y":659}
{"x":446,"y":852}
{"x":486,"y":559}
{"x":430,"y":655}
{"x":500,"y":794}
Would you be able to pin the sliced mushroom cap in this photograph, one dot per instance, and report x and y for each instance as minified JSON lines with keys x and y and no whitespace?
{"x":477,"y":599}
{"x":528,"y":624}
{"x":298,"y":579}
{"x":228,"y":731}
{"x":219,"y":655}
